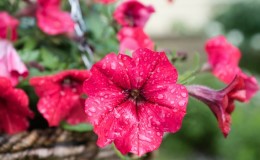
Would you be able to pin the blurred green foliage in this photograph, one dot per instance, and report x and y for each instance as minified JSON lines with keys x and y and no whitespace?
{"x":244,"y":17}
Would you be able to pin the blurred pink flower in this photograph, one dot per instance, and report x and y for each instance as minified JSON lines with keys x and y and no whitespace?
{"x":223,"y":59}
{"x":132,"y":101}
{"x":51,"y":19}
{"x":8,"y":26}
{"x":132,"y":13}
{"x":60,"y":96}
{"x":221,"y":102}
{"x":14,"y":109}
{"x":11,"y":66}
{"x":133,"y":38}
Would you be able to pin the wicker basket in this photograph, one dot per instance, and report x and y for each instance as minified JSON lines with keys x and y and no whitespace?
{"x":55,"y":144}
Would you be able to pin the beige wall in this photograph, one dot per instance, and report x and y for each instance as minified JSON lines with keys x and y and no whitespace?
{"x":194,"y":14}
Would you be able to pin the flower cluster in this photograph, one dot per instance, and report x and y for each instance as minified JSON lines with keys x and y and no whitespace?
{"x":132,"y":16}
{"x":131,"y":98}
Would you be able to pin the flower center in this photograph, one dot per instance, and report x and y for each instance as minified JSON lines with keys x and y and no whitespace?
{"x":3,"y":101}
{"x":135,"y":94}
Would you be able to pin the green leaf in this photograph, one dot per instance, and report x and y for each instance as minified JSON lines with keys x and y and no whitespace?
{"x":82,"y":127}
{"x":49,"y":60}
{"x":28,"y":56}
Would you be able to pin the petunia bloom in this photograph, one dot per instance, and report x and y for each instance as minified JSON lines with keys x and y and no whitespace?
{"x":11,"y":66}
{"x":14,"y":110}
{"x":223,"y":59}
{"x":221,"y":102}
{"x":8,"y":26}
{"x":51,"y":19}
{"x":132,"y":13}
{"x":132,"y":101}
{"x":131,"y":39}
{"x":60,"y":96}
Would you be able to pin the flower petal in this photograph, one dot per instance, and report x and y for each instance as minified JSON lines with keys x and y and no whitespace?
{"x":10,"y":63}
{"x":59,"y":106}
{"x":171,"y":96}
{"x":54,"y":21}
{"x":145,"y":63}
{"x":140,"y":129}
{"x":113,"y":68}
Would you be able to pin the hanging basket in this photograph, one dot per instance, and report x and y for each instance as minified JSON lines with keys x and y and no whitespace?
{"x":55,"y":144}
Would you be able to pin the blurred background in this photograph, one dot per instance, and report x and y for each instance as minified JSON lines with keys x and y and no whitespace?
{"x":185,"y":26}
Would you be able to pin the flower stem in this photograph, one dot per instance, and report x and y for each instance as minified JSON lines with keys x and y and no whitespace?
{"x":119,"y":154}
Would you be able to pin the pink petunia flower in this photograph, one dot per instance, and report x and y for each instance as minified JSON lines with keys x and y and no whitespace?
{"x":8,"y":26}
{"x":221,"y":102}
{"x":61,"y":96}
{"x":223,"y":59}
{"x":14,"y":109}
{"x":51,"y":19}
{"x":11,"y":66}
{"x":133,"y":38}
{"x":132,"y":101}
{"x":132,"y":13}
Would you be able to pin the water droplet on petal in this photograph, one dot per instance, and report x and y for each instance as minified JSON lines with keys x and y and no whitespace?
{"x":160,"y":96}
{"x":92,"y":109}
{"x":182,"y":103}
{"x":158,"y":134}
{"x":183,"y":94}
{"x":104,"y":66}
{"x":173,"y":90}
{"x":113,"y":65}
{"x":144,"y":138}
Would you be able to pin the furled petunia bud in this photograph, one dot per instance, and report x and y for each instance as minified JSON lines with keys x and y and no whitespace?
{"x":11,"y":66}
{"x":221,"y":102}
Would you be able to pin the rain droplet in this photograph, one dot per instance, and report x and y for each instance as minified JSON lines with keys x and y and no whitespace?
{"x":113,"y":66}
{"x":144,"y":138}
{"x":182,"y":103}
{"x":172,"y":102}
{"x":92,"y":109}
{"x":104,"y":66}
{"x":173,"y":90}
{"x":183,"y":94}
{"x":158,"y":134}
{"x":160,"y":96}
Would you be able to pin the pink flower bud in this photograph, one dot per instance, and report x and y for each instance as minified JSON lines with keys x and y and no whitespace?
{"x":221,"y":102}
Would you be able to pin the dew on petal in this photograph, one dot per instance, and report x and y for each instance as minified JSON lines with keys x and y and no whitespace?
{"x":160,"y":96}
{"x":92,"y":109}
{"x":182,"y":103}
{"x":104,"y":66}
{"x":183,"y":94}
{"x":113,"y":65}
{"x":144,"y":138}
{"x":173,"y":90}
